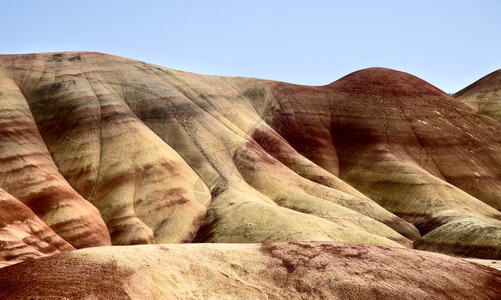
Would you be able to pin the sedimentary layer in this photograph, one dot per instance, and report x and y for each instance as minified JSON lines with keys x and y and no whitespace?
{"x":484,"y":95}
{"x":23,"y":235}
{"x":106,"y":150}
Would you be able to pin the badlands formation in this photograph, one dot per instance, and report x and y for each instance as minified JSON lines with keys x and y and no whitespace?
{"x":307,"y":191}
{"x":297,"y":270}
{"x":484,"y":95}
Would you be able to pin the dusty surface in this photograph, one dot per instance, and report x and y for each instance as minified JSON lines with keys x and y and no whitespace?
{"x":107,"y":150}
{"x":492,"y":263}
{"x":307,"y":270}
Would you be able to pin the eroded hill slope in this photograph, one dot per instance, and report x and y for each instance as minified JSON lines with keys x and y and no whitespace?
{"x":484,"y":95}
{"x":153,"y":155}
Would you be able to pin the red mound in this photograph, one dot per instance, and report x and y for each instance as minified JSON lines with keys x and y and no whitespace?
{"x":404,"y":143}
{"x":382,"y":82}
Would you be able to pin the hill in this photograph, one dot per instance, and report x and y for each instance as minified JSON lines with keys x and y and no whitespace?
{"x":98,"y":150}
{"x":484,"y":95}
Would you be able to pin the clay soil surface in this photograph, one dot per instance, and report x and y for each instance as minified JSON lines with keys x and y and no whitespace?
{"x":496,"y":264}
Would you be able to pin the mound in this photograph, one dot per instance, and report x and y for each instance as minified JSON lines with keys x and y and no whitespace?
{"x":23,"y":235}
{"x":484,"y":95}
{"x":474,"y":235}
{"x":405,"y":144}
{"x":250,"y":271}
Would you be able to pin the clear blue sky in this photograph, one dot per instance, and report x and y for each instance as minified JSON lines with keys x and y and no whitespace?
{"x":448,"y":43}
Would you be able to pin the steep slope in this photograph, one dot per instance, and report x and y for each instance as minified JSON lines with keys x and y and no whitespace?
{"x":142,"y":188}
{"x":484,"y":95}
{"x":306,"y":270}
{"x":28,"y":173}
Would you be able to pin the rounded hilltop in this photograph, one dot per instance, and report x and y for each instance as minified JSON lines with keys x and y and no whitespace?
{"x":385,"y":82}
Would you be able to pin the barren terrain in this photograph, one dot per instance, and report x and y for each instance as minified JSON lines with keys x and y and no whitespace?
{"x":267,"y":181}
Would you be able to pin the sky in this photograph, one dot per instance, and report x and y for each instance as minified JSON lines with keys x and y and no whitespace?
{"x":448,"y":43}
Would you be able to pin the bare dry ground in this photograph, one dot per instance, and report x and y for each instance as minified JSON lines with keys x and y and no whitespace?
{"x":301,"y":270}
{"x":98,"y":150}
{"x":492,"y":263}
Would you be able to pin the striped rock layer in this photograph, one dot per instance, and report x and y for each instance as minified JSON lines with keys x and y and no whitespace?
{"x":23,"y":235}
{"x":107,"y":150}
{"x":484,"y":95}
{"x":300,"y":270}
